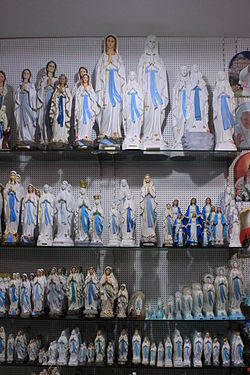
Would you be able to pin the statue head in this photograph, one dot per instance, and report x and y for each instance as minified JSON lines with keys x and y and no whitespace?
{"x":123,"y":287}
{"x":51,"y":68}
{"x":96,"y":199}
{"x":221,"y":76}
{"x":208,"y":200}
{"x":111,"y":43}
{"x":108,"y":270}
{"x":91,"y":271}
{"x":26,"y":75}
{"x":124,"y":182}
{"x":38,"y":272}
{"x":184,"y":71}
{"x":168,"y":206}
{"x":81,"y":71}
{"x":13,"y":176}
{"x":63,"y":80}
{"x":24,"y":276}
{"x":175,"y":203}
{"x":132,"y":76}
{"x":83,"y":183}
{"x":194,"y":215}
{"x":85,"y":79}
{"x":30,"y":188}
{"x":194,"y":69}
{"x":151,"y":43}
{"x":218,"y":210}
{"x":46,"y":188}
{"x":18,"y":178}
{"x":64,"y":185}
{"x":193,"y":201}
{"x":2,"y":78}
{"x":147,"y":178}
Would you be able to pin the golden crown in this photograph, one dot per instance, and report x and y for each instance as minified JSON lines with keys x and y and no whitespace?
{"x":97,"y":196}
{"x":83,"y":183}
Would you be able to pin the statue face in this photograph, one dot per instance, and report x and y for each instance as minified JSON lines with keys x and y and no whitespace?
{"x":108,"y":271}
{"x":194,"y":215}
{"x":184,"y":71}
{"x":85,"y":78}
{"x":18,"y":179}
{"x":195,"y":69}
{"x":221,"y":76}
{"x":62,"y":79}
{"x":51,"y":67}
{"x":64,"y":186}
{"x":91,"y":271}
{"x":46,"y":188}
{"x":219,"y":210}
{"x":147,"y":178}
{"x":30,"y":189}
{"x":221,"y":272}
{"x":175,"y":203}
{"x":73,"y":270}
{"x":124,"y":183}
{"x":151,"y":42}
{"x":132,"y":76}
{"x":193,"y":201}
{"x":12,"y":177}
{"x":208,"y":200}
{"x":2,"y":78}
{"x":110,"y":43}
{"x":26,"y":74}
{"x":38,"y":273}
{"x":82,"y":71}
{"x":245,"y":120}
{"x":168,"y":206}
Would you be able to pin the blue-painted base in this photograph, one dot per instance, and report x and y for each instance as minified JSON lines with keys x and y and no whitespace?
{"x":236,"y":316}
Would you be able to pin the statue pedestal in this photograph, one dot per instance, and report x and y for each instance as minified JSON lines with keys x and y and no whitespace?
{"x":198,"y":141}
{"x":67,"y":241}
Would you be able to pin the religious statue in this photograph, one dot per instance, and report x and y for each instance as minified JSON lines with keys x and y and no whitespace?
{"x":1,"y":207}
{"x":97,"y":216}
{"x":206,"y":211}
{"x":223,"y":113}
{"x":216,"y":352}
{"x":38,"y":293}
{"x":158,"y":314}
{"x":60,"y":113}
{"x":187,"y":351}
{"x":10,"y":348}
{"x":45,"y":91}
{"x":99,"y":348}
{"x":63,"y":348}
{"x":133,"y":107}
{"x":110,"y":83}
{"x":160,"y":355}
{"x":128,"y":224}
{"x":14,"y":296}
{"x":81,"y":71}
{"x":74,"y":292}
{"x":179,"y":231}
{"x":193,"y":208}
{"x":176,"y":209}
{"x":234,"y":240}
{"x":219,"y":227}
{"x":25,"y":111}
{"x":74,"y":346}
{"x":237,"y":348}
{"x":178,"y":306}
{"x":136,"y":348}
{"x":122,"y":302}
{"x":82,"y":356}
{"x":208,"y":296}
{"x":25,"y":297}
{"x":179,"y":107}
{"x":4,"y":127}
{"x":178,"y":348}
{"x":21,"y":343}
{"x":3,"y":297}
{"x":168,"y":352}
{"x":153,"y":352}
{"x":225,"y":353}
{"x":187,"y":303}
{"x":91,"y":293}
{"x":110,"y":353}
{"x":108,"y":292}
{"x":91,"y":353}
{"x":221,"y":293}
{"x":152,"y":78}
{"x":123,"y":193}
{"x":29,"y":216}
{"x":207,"y":349}
{"x":52,"y":352}
{"x":82,"y":217}
{"x":114,"y":226}
{"x":64,"y":206}
{"x":46,"y":211}
{"x":205,"y":235}
{"x":5,"y":108}
{"x":136,"y":306}
{"x":197,"y":296}
{"x":55,"y":294}
{"x":2,"y":345}
{"x":168,"y":226}
{"x":236,"y":290}
{"x":197,"y":349}
{"x":148,"y":207}
{"x":193,"y":230}
{"x":145,"y":351}
{"x":86,"y":111}
{"x":123,"y":348}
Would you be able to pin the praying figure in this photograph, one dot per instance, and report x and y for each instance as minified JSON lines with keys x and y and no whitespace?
{"x":46,"y":211}
{"x":29,"y":216}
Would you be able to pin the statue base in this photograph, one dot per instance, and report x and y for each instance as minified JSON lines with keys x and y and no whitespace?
{"x":178,"y":363}
{"x":58,"y":146}
{"x":122,"y":362}
{"x":235,"y":244}
{"x":109,"y":143}
{"x":37,"y":314}
{"x":27,"y":241}
{"x":168,"y":363}
{"x":186,"y":363}
{"x":127,"y":243}
{"x":209,"y":316}
{"x":96,"y":244}
{"x":74,"y":314}
{"x":43,"y":241}
{"x":82,"y":242}
{"x":198,"y":316}
{"x":221,"y":316}
{"x":56,"y":315}
{"x":83,"y":144}
{"x":73,"y":363}
{"x":90,"y":314}
{"x":25,"y":315}
{"x":167,"y":244}
{"x":10,"y":239}
{"x":225,"y":146}
{"x":195,"y":141}
{"x":148,"y":244}
{"x":197,"y":363}
{"x":131,"y":144}
{"x":154,"y":145}
{"x":188,"y":317}
{"x":114,"y":243}
{"x":236,"y":315}
{"x":67,"y":241}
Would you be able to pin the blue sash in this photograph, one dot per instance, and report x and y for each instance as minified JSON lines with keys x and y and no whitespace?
{"x":133,"y":107}
{"x":85,"y":219}
{"x":199,"y":301}
{"x":74,"y":346}
{"x":1,"y":130}
{"x":222,"y":293}
{"x":86,"y":111}
{"x":123,"y":347}
{"x":151,"y":216}
{"x":73,"y":291}
{"x":226,"y":354}
{"x":14,"y":297}
{"x":199,"y":348}
{"x":155,"y":96}
{"x":237,"y":289}
{"x":37,"y":296}
{"x":24,"y":297}
{"x":169,"y":352}
{"x":63,"y":218}
{"x":136,"y":349}
{"x":12,"y":207}
{"x":197,"y":107}
{"x":46,"y":214}
{"x":227,"y":117}
{"x":1,"y":101}
{"x":2,"y":298}
{"x":183,"y":102}
{"x":114,"y":96}
{"x":29,"y":214}
{"x":91,"y":293}
{"x":210,"y":298}
{"x":60,"y":117}
{"x":98,"y":224}
{"x":130,"y":222}
{"x":178,"y":349}
{"x":114,"y":225}
{"x":1,"y":345}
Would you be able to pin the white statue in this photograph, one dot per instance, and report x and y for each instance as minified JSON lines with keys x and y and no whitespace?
{"x":91,"y":293}
{"x":55,"y":294}
{"x":21,"y":343}
{"x":153,"y":352}
{"x":63,"y":348}
{"x":197,"y":103}
{"x":64,"y":215}
{"x":160,"y":355}
{"x":82,"y":357}
{"x":110,"y":83}
{"x":132,"y":113}
{"x":145,"y":351}
{"x":123,"y":193}
{"x":197,"y":296}
{"x":122,"y":302}
{"x":168,"y":352}
{"x":74,"y":292}
{"x":148,"y":207}
{"x":52,"y":352}
{"x":60,"y":112}
{"x":10,"y":348}
{"x":82,"y":219}
{"x":221,"y":293}
{"x":14,"y":296}
{"x":152,"y":78}
{"x":234,"y":240}
{"x":208,"y":296}
{"x":86,"y":111}
{"x":110,"y":353}
{"x":38,"y":293}
{"x":187,"y":351}
{"x":178,"y":306}
{"x":236,"y":290}
{"x":223,"y":112}
{"x":91,"y":353}
{"x":81,"y":72}
{"x":109,"y":293}
{"x":187,"y":303}
{"x":4,"y":287}
{"x":197,"y":349}
{"x":25,"y":110}
{"x":97,"y":215}
{"x":46,"y":211}
{"x":5,"y":108}
{"x":114,"y":226}
{"x":1,"y":206}
{"x":45,"y":90}
{"x":208,"y":347}
{"x":178,"y":348}
{"x":2,"y":345}
{"x":99,"y":348}
{"x":216,"y":352}
{"x":128,"y":223}
{"x":74,"y":346}
{"x":237,"y":348}
{"x":179,"y":107}
{"x":29,"y":216}
{"x":123,"y":348}
{"x":3,"y":124}
{"x":25,"y":297}
{"x":168,"y":226}
{"x":225,"y":353}
{"x":136,"y":348}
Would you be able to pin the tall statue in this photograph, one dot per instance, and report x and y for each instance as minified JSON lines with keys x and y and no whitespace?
{"x":29,"y":216}
{"x":168,"y":226}
{"x":123,"y":193}
{"x":109,"y":293}
{"x":2,"y":345}
{"x":14,"y":296}
{"x":64,"y":215}
{"x":81,"y":71}
{"x":197,"y":349}
{"x":100,"y":347}
{"x":221,"y":293}
{"x":123,"y":348}
{"x":187,"y":352}
{"x":74,"y":346}
{"x":86,"y":111}
{"x":4,"y":128}
{"x":128,"y":223}
{"x":25,"y":110}
{"x":223,"y":113}
{"x":178,"y":348}
{"x":136,"y":348}
{"x":1,"y":208}
{"x":145,"y":348}
{"x":110,"y":83}
{"x":91,"y":293}
{"x":82,"y":219}
{"x":219,"y":227}
{"x":45,"y":90}
{"x":38,"y":293}
{"x":179,"y":107}
{"x":46,"y":212}
{"x":236,"y":290}
{"x":114,"y":226}
{"x":235,"y":229}
{"x":122,"y":302}
{"x":74,"y":289}
{"x":148,"y":207}
{"x":152,"y":78}
{"x":187,"y":303}
{"x":133,"y":107}
{"x":25,"y":297}
{"x":5,"y":110}
{"x":168,"y":352}
{"x":97,"y":216}
{"x":197,"y":296}
{"x":55,"y":294}
{"x":60,"y":113}
{"x":208,"y":296}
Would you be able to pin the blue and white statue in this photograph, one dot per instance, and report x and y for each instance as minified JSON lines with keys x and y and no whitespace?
{"x":205,"y":235}
{"x":208,"y":347}
{"x":178,"y":349}
{"x":14,"y":296}
{"x":91,"y":353}
{"x":178,"y":306}
{"x":110,"y":83}
{"x":168,"y":352}
{"x":179,"y":232}
{"x":216,"y":352}
{"x":10,"y":348}
{"x":225,"y":353}
{"x":74,"y":292}
{"x":12,"y":208}
{"x":38,"y":293}
{"x":82,"y":218}
{"x":136,"y":348}
{"x":97,"y":216}
{"x":197,"y":349}
{"x":145,"y":351}
{"x":168,"y":226}
{"x":197,"y":296}
{"x":206,"y":209}
{"x":21,"y":343}
{"x":223,"y":113}
{"x":63,"y":348}
{"x":4,"y":128}
{"x":170,"y":308}
{"x":91,"y":293}
{"x":152,"y":79}
{"x":29,"y":216}
{"x":133,"y":106}
{"x":236,"y":290}
{"x":82,"y":355}
{"x":99,"y":348}
{"x":55,"y":294}
{"x":187,"y":303}
{"x":2,"y":345}
{"x":123,"y":348}
{"x":153,"y":352}
{"x":221,"y":293}
{"x":148,"y":206}
{"x":234,"y":240}
{"x":122,"y":302}
{"x":149,"y":311}
{"x":3,"y":298}
{"x":176,"y":209}
{"x":160,"y":355}
{"x":208,"y":296}
{"x":128,"y":222}
{"x":187,"y":351}
{"x":237,"y":349}
{"x":158,"y":313}
{"x":52,"y":353}
{"x":74,"y":346}
{"x":46,"y":211}
{"x":114,"y":226}
{"x":193,"y":230}
{"x":193,"y":208}
{"x":25,"y":297}
{"x":179,"y":107}
{"x":110,"y":353}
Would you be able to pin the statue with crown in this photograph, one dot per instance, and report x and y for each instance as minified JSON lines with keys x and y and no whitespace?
{"x":97,"y":219}
{"x":82,"y":218}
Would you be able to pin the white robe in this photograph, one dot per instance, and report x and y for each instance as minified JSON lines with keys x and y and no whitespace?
{"x":46,"y":223}
{"x":179,"y":112}
{"x":29,"y":215}
{"x":192,"y":123}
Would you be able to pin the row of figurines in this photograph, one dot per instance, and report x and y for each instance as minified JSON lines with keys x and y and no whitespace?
{"x":49,"y":220}
{"x":137,"y":105}
{"x":200,"y":350}
{"x":58,"y":293}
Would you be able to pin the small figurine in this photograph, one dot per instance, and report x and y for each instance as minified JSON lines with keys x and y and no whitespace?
{"x":221,"y":293}
{"x":149,"y":312}
{"x":29,"y":216}
{"x":5,"y":109}
{"x":122,"y":194}
{"x":153,"y":352}
{"x":234,"y":240}
{"x":160,"y":355}
{"x":10,"y":348}
{"x":152,"y":79}
{"x":178,"y":306}
{"x":38,"y":294}
{"x":179,"y":232}
{"x":21,"y":343}
{"x":132,"y":113}
{"x":81,"y":71}
{"x":187,"y":303}
{"x":207,"y":349}
{"x":197,"y":349}
{"x":216,"y":352}
{"x":2,"y":345}
{"x":145,"y":351}
{"x":99,"y":348}
{"x":74,"y":346}
{"x":25,"y":297}
{"x":74,"y":292}
{"x":122,"y":302}
{"x":91,"y":293}
{"x":193,"y":230}
{"x":178,"y":343}
{"x":208,"y":296}
{"x":3,"y":297}
{"x":237,"y":349}
{"x":14,"y":296}
{"x":136,"y":348}
{"x":205,"y":235}
{"x":82,"y":217}
{"x":97,"y":215}
{"x":206,"y":209}
{"x":158,"y":313}
{"x":123,"y":348}
{"x":136,"y":306}
{"x":168,"y":352}
{"x":108,"y":292}
{"x":128,"y":222}
{"x":63,"y":348}
{"x":236,"y":290}
{"x":193,"y":208}
{"x":55,"y":294}
{"x":52,"y":352}
{"x":187,"y":350}
{"x":168,"y":226}
{"x":170,"y":308}
{"x":4,"y":128}
{"x":60,"y":113}
{"x":148,"y":206}
{"x":197,"y":296}
{"x":82,"y":356}
{"x":225,"y":353}
{"x":219,"y":227}
{"x":91,"y":354}
{"x":114,"y":226}
{"x":175,"y":209}
{"x":46,"y":211}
